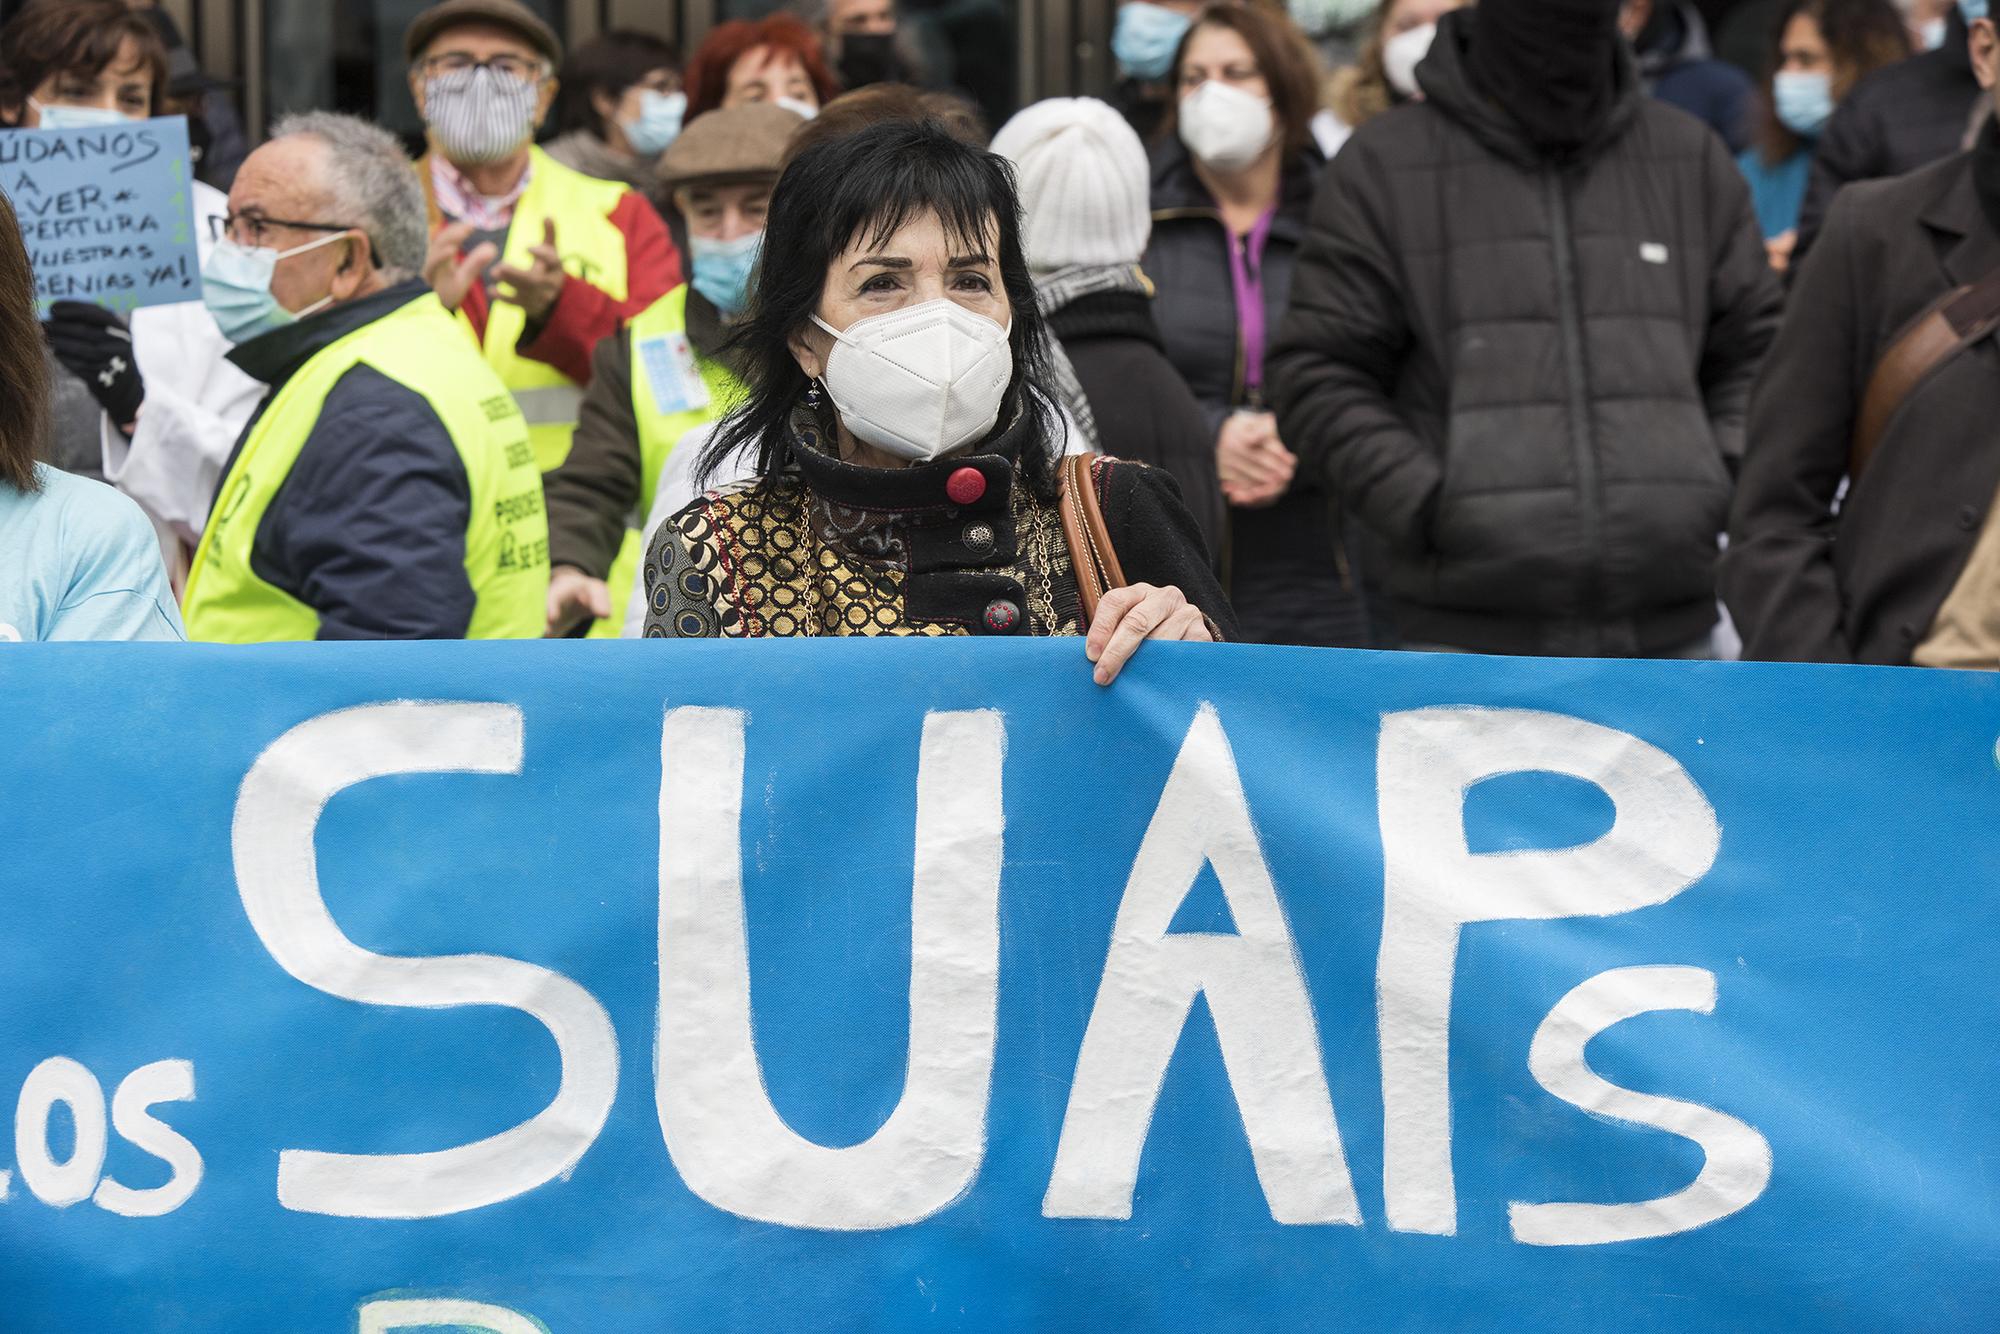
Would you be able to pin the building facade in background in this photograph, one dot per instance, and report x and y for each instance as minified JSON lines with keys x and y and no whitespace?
{"x":346,"y":55}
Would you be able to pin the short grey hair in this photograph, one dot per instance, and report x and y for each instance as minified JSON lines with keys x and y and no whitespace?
{"x":369,"y":178}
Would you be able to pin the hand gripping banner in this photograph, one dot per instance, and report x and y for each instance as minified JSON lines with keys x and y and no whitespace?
{"x":348,"y":989}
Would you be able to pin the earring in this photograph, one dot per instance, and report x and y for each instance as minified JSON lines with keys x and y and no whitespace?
{"x":813,"y":394}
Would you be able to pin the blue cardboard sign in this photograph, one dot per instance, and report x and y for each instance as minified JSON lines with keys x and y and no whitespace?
{"x":107,"y":213}
{"x":851,"y":984}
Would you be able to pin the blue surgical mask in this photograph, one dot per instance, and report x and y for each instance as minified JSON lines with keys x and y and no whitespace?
{"x":236,"y":288}
{"x":1932,"y":32}
{"x":1973,"y":10}
{"x":721,"y":269}
{"x":78,"y":118}
{"x":1803,"y":100}
{"x":659,"y":123}
{"x":1146,"y":38}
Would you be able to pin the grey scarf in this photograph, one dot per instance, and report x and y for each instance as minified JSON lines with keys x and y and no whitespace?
{"x":1056,"y":288}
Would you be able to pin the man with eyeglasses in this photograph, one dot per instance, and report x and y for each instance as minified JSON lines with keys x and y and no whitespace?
{"x":576,"y":256}
{"x":386,"y":489}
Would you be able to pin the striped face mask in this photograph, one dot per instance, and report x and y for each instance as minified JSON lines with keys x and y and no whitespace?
{"x":479,"y":115}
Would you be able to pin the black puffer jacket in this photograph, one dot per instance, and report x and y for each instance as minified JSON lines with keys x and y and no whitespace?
{"x":1526,"y":378}
{"x":1143,"y":409}
{"x":1282,"y":562}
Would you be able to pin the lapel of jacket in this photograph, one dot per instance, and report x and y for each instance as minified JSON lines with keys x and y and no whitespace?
{"x":1967,"y":246}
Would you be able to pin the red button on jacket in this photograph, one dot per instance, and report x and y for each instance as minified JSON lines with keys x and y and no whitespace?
{"x":965,"y":486}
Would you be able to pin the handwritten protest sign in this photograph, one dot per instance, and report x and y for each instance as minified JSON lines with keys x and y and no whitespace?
{"x":106,"y":212}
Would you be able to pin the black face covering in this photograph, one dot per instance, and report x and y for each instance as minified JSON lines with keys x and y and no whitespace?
{"x":870,"y":57}
{"x":1548,"y":63}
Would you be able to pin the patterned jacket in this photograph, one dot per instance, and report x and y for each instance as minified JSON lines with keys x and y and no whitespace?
{"x":962,"y":545}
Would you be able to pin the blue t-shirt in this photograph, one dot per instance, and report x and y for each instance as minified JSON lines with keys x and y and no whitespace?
{"x":1777,"y":191}
{"x":80,"y":561}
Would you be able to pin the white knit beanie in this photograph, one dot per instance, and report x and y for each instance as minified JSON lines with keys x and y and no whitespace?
{"x":1085,"y":183}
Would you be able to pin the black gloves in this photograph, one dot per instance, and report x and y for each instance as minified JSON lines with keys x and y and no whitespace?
{"x":96,"y":346}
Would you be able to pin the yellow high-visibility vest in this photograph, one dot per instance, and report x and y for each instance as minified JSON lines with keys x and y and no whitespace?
{"x":421,"y":347}
{"x":674,"y":390}
{"x":594,"y":251}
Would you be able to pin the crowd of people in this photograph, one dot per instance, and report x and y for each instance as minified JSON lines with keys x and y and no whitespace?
{"x":1545,"y":327}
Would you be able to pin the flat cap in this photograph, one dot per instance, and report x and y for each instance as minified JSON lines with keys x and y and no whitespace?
{"x":506,"y":13}
{"x":732,"y":144}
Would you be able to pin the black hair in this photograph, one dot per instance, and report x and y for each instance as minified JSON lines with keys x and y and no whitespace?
{"x":868,"y":185}
{"x":609,"y":63}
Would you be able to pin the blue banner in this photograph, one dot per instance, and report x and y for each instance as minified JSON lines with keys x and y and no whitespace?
{"x":848,"y":984}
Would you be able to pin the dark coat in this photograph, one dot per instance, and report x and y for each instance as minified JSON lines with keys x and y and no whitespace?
{"x":596,"y":490}
{"x":1143,"y":408}
{"x":1283,"y":562}
{"x":1802,"y":584}
{"x":1681,"y":69}
{"x":1525,"y":378}
{"x":368,"y":529}
{"x":1895,"y":120}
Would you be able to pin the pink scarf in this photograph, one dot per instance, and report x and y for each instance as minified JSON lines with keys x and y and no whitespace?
{"x":457,"y":200}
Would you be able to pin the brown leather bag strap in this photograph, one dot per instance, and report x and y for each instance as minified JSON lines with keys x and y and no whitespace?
{"x":1952,"y":323}
{"x":1090,"y":552}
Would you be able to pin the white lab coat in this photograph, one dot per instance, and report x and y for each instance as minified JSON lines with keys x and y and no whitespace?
{"x":197,"y":404}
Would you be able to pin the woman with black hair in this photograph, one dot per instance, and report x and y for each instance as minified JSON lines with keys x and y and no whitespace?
{"x":907,"y":446}
{"x":619,"y":106}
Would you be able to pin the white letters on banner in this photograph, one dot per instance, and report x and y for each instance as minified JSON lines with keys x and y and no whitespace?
{"x":277,"y":876}
{"x":732,"y":1148}
{"x":162,"y":1081}
{"x":1256,"y":994}
{"x":386,"y":1314}
{"x":728,"y":1143}
{"x":79,"y":1176}
{"x":1662,"y":840}
{"x":1738,"y":1159}
{"x":60,"y":1080}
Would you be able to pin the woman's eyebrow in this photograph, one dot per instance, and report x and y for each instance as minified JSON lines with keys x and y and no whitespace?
{"x":884,"y":262}
{"x":968,"y":261}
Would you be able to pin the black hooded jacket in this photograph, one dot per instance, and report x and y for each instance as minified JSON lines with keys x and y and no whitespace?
{"x":1529,"y":379}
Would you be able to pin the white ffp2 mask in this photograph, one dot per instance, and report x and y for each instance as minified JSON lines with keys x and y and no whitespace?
{"x":1225,"y":127}
{"x":919,"y":382}
{"x":1402,"y":54}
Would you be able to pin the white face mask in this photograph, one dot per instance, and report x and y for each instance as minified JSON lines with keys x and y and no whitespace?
{"x":1227,"y":128}
{"x":1401,"y":53}
{"x":919,"y":382}
{"x":798,"y":106}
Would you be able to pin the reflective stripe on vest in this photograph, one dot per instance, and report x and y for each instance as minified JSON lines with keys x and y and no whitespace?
{"x":556,"y":405}
{"x":592,"y":249}
{"x":665,"y":323}
{"x":420,"y":347}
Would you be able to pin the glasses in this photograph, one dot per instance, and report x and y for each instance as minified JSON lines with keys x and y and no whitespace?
{"x":253,"y":229}
{"x":518,"y":68}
